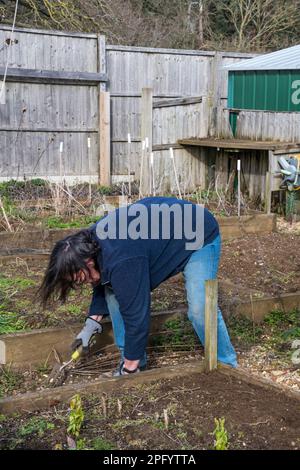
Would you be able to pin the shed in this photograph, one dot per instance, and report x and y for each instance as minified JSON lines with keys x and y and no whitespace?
{"x":266,"y":83}
{"x":263,"y":106}
{"x":270,"y":82}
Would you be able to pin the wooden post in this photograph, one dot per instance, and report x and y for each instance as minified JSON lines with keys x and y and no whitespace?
{"x":102,"y":59}
{"x":215,"y":94}
{"x":211,"y":324}
{"x":146,"y":133}
{"x":268,"y":193}
{"x":104,"y":131}
{"x":104,"y":119}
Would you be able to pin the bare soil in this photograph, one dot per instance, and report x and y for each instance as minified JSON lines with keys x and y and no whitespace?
{"x":265,"y":265}
{"x":103,"y":366}
{"x":255,"y":418}
{"x":256,"y":265}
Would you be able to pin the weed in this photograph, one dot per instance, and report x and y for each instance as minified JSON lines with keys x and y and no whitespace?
{"x":9,"y":380}
{"x":182,"y":436}
{"x":9,"y":285}
{"x":101,"y":444}
{"x":242,"y":329}
{"x":7,"y":187}
{"x":159,"y":425}
{"x":159,"y":305}
{"x":76,"y":416}
{"x":220,"y":433}
{"x":177,"y":331}
{"x":275,"y":333}
{"x":23,"y":304}
{"x":124,"y":423}
{"x":81,"y":444}
{"x":104,"y":190}
{"x":43,"y":368}
{"x":74,"y":309}
{"x":10,"y":323}
{"x":78,"y":222}
{"x":37,"y":426}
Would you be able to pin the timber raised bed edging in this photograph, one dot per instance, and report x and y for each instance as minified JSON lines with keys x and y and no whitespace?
{"x":258,"y":308}
{"x":33,"y":348}
{"x":231,"y":227}
{"x":50,"y":398}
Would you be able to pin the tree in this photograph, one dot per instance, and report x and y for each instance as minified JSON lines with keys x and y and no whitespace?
{"x":257,"y":22}
{"x":249,"y":25}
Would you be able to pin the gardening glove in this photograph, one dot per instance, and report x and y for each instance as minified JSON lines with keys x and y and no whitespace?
{"x":123,"y":371}
{"x":83,"y":338}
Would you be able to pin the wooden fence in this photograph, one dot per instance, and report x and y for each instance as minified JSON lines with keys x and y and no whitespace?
{"x":49,"y":116}
{"x":71,"y":100}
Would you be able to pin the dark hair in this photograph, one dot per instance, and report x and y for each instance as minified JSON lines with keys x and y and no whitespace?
{"x":67,"y":258}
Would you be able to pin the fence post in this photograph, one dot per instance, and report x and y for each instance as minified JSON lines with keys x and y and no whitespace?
{"x":104,"y":119}
{"x":104,"y":131}
{"x":268,"y":193}
{"x":214,"y":104}
{"x":211,"y":324}
{"x":146,"y":133}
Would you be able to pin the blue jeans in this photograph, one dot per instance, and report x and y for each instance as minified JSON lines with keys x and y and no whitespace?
{"x":202,"y":265}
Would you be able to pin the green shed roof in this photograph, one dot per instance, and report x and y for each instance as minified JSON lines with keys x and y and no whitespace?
{"x":285,"y":59}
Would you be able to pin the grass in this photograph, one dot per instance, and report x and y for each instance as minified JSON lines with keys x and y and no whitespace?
{"x":7,"y":187}
{"x":177,"y":331}
{"x":35,"y":425}
{"x":10,"y":320}
{"x":9,"y":380}
{"x":76,"y":222}
{"x":73,"y":309}
{"x":10,"y":284}
{"x":276,"y":332}
{"x":102,"y":444}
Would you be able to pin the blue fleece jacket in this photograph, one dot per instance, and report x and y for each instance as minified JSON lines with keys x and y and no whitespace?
{"x":134,"y":267}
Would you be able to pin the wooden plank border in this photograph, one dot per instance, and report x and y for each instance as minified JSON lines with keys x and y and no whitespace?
{"x":50,"y":398}
{"x":47,"y":32}
{"x":34,"y":347}
{"x":231,"y":227}
{"x":53,"y":77}
{"x":177,"y":102}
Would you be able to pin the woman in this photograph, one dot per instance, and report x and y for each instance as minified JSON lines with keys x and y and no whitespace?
{"x":125,"y":256}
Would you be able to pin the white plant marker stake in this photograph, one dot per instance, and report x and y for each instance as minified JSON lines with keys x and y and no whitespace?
{"x":129,"y":167}
{"x":175,"y":171}
{"x":141,"y":170}
{"x":239,"y":187}
{"x":2,"y":92}
{"x":166,"y":419}
{"x":58,"y":190}
{"x":152,"y":173}
{"x":61,"y":149}
{"x":148,"y":163}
